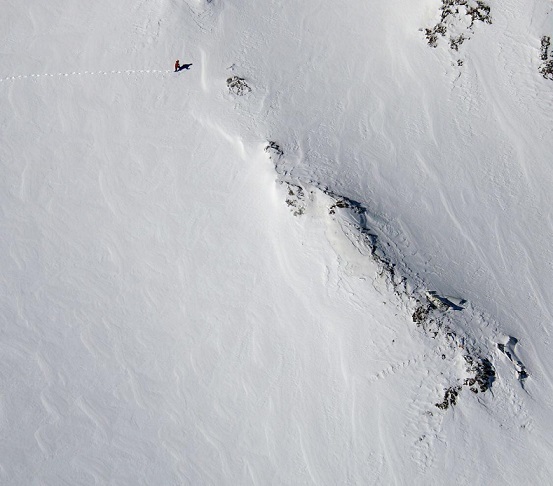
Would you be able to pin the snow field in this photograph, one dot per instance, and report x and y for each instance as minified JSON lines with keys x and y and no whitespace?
{"x":155,"y":310}
{"x":167,"y":320}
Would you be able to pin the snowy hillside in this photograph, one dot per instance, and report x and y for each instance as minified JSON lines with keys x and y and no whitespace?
{"x":318,"y":254}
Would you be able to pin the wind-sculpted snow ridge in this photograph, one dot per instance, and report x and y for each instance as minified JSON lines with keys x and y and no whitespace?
{"x":509,"y":349}
{"x":449,"y":320}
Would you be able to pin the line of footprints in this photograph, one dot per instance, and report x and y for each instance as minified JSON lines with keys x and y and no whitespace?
{"x":87,"y":73}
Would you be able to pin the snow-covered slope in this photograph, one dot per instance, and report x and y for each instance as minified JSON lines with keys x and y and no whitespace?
{"x":181,"y":306}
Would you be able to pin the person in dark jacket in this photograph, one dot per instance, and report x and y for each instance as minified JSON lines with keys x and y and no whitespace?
{"x":177,"y":65}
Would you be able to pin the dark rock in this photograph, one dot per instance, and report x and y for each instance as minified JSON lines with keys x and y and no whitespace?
{"x":546,"y":67}
{"x":238,"y":86}
{"x":450,"y":398}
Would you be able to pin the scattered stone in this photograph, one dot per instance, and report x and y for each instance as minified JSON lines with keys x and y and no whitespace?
{"x":544,"y":50}
{"x":238,"y":86}
{"x":345,"y":203}
{"x":274,"y":150}
{"x":451,"y":21}
{"x":450,"y":398}
{"x":483,"y":376}
{"x":480,"y":12}
{"x":295,"y":199}
{"x":484,"y":373}
{"x":432,"y":34}
{"x":420,"y":314}
{"x":455,"y":42}
{"x":546,"y":67}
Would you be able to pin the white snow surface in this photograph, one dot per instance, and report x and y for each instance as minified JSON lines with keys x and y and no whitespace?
{"x":167,"y":319}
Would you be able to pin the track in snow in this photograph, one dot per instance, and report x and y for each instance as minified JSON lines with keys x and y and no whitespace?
{"x":85,"y":73}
